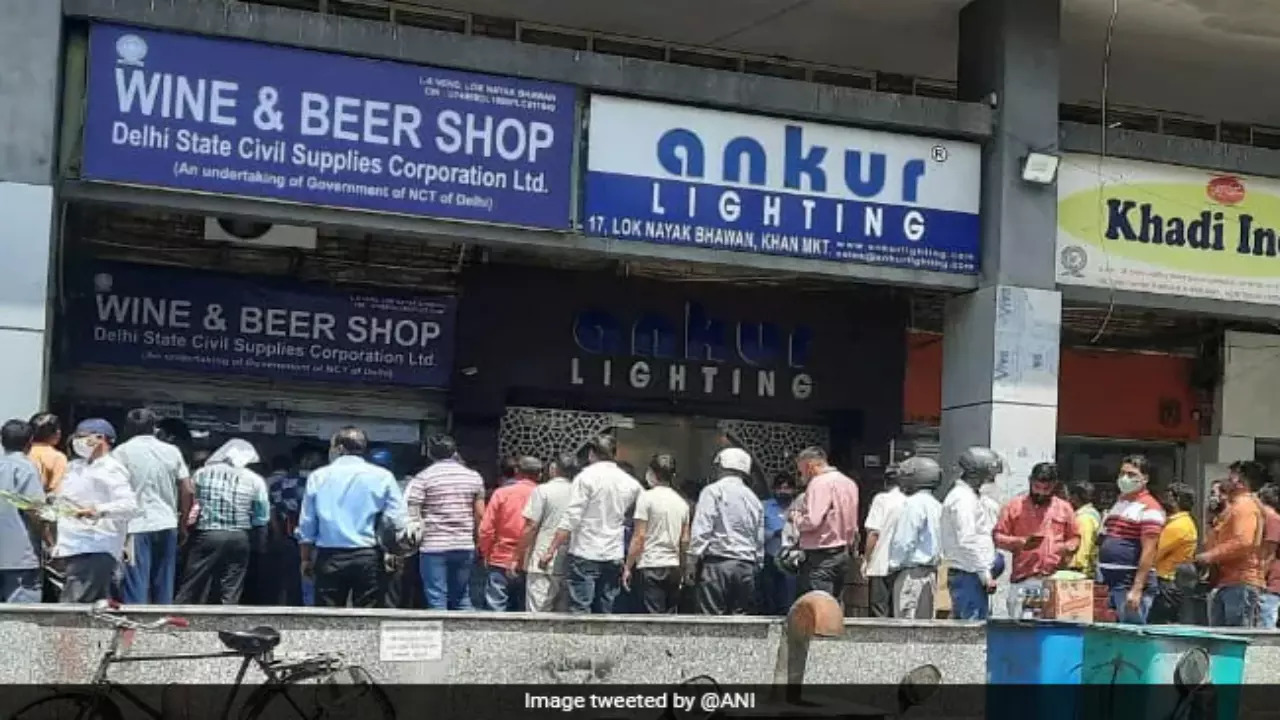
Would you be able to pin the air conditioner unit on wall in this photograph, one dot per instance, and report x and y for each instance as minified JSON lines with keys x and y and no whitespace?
{"x":259,"y":234}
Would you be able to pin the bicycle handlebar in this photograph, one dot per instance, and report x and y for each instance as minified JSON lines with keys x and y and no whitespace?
{"x":105,"y":611}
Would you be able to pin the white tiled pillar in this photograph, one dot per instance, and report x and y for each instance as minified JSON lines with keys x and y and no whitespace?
{"x":30,"y":68}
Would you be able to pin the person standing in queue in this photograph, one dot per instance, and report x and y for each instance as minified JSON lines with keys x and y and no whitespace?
{"x":1089,"y":524}
{"x":660,"y":540}
{"x":545,"y":586}
{"x":1176,"y":548}
{"x":1130,"y":539}
{"x":21,"y":531}
{"x":235,"y":510}
{"x":777,"y":586}
{"x":1039,"y":528}
{"x":338,"y":527}
{"x":827,"y":520}
{"x":1237,"y":548}
{"x":447,"y":497}
{"x":46,"y":436}
{"x":501,"y":529}
{"x":967,"y":536}
{"x":91,"y":541}
{"x":160,"y":478}
{"x":593,"y":526}
{"x":915,"y":547}
{"x":881,"y":519}
{"x":726,"y":544}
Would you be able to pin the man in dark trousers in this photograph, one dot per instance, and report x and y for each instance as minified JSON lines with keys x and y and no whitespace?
{"x":726,"y":543}
{"x":338,"y":527}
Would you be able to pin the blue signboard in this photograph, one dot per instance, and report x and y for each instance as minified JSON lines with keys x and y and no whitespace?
{"x":239,"y":118}
{"x":153,"y":317}
{"x":688,"y":176}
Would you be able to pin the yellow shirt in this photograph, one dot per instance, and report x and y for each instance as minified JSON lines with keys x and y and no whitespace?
{"x":1088,"y":522}
{"x":1177,"y":544}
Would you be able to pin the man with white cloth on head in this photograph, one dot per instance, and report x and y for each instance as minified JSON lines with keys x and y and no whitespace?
{"x":233,"y":515}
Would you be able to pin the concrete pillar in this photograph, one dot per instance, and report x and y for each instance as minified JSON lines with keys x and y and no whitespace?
{"x":1001,"y":343}
{"x":30,"y":68}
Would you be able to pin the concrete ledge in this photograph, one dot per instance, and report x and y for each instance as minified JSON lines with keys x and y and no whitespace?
{"x":64,"y":645}
{"x":606,"y":73}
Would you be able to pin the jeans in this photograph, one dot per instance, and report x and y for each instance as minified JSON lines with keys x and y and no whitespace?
{"x":1119,"y":603}
{"x":446,"y":579}
{"x":593,"y":585}
{"x":20,"y":586}
{"x":1269,"y":611}
{"x":503,"y":593}
{"x":1235,"y":606}
{"x":148,"y":576}
{"x":658,"y":589}
{"x":969,"y":598}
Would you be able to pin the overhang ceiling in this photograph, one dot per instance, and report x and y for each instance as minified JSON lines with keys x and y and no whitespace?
{"x":1202,"y":58}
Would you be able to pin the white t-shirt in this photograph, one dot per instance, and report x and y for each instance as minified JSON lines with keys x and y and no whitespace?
{"x":546,"y":505}
{"x":881,"y":519}
{"x":665,"y":514}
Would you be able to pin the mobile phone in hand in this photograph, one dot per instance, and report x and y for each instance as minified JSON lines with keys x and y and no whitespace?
{"x":1033,"y":542}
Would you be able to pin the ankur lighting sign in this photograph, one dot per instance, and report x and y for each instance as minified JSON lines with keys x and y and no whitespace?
{"x":259,"y":121}
{"x":729,"y":181}
{"x":1167,"y":229}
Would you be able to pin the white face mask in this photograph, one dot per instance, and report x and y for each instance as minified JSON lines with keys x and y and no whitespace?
{"x":83,"y":447}
{"x":650,"y":479}
{"x":1128,"y":484}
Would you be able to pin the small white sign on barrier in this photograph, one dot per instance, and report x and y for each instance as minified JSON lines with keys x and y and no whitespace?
{"x":411,"y":641}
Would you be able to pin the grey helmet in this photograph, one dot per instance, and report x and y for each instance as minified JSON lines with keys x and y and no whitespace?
{"x":919,"y":473}
{"x":980,"y":464}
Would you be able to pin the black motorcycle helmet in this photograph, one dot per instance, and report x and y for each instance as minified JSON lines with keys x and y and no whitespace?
{"x":979,"y":465}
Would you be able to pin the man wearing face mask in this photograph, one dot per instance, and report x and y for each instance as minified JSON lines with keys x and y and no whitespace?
{"x":1130,"y":540}
{"x":1237,"y":548}
{"x":91,"y":542}
{"x":1039,"y":528}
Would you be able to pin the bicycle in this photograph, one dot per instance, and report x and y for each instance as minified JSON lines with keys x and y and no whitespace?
{"x":100,"y":700}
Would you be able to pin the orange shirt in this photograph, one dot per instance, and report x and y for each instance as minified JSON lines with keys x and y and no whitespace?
{"x":51,"y":463}
{"x":1236,"y":542}
{"x":503,"y":524}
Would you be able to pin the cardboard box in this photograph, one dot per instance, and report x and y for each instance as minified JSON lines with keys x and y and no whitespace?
{"x":1069,"y":600}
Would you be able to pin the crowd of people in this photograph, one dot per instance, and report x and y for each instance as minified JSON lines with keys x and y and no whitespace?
{"x":138,"y":519}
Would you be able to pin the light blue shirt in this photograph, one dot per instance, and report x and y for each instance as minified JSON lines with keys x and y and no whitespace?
{"x":728,"y":522}
{"x":343,"y":501}
{"x":916,"y":540}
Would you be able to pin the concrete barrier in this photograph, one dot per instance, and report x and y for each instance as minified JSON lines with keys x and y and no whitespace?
{"x":61,"y":644}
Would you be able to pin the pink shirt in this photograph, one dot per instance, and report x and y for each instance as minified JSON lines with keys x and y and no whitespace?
{"x":1055,"y":522}
{"x":828,"y":516}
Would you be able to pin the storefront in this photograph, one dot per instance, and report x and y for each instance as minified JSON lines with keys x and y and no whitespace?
{"x":511,"y":355}
{"x":547,"y":358}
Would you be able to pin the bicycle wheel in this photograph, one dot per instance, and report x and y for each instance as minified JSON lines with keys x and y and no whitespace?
{"x":328,"y":700}
{"x":70,"y":705}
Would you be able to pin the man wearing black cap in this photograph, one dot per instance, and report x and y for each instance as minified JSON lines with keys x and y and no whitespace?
{"x":91,"y":541}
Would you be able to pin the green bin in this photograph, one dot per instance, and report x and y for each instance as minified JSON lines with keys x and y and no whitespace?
{"x":1140,"y":662}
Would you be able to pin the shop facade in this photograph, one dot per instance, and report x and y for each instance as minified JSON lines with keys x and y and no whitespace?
{"x":675,"y":275}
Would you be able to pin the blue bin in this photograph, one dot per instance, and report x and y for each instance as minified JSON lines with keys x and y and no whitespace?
{"x":1042,"y":658}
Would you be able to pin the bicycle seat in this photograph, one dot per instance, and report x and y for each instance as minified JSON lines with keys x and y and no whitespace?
{"x":254,"y":641}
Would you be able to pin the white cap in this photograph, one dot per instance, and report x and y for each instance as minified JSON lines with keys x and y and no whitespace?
{"x":734,"y":459}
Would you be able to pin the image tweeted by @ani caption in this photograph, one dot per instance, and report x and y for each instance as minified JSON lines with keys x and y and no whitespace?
{"x":686,"y":701}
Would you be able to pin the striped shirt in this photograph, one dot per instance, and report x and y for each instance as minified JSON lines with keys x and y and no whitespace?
{"x":1127,"y":522}
{"x":443,"y":496}
{"x":230,"y":498}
